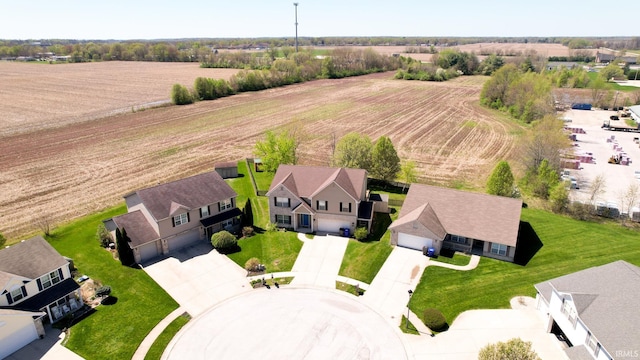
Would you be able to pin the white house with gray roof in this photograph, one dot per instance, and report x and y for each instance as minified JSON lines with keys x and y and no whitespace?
{"x":596,"y":310}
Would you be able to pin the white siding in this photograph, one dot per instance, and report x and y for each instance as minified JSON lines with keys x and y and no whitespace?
{"x":15,"y":332}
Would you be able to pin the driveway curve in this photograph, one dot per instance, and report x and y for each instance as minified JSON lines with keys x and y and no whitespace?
{"x":288,"y":324}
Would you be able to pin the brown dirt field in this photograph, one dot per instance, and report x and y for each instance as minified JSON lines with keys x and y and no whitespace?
{"x":39,"y":95}
{"x":65,"y":172}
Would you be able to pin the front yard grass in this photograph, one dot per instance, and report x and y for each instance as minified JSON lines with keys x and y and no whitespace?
{"x":156,"y":350}
{"x":363,"y":259}
{"x":277,"y":250}
{"x":456,"y":259}
{"x":112,"y":331}
{"x":568,"y":245}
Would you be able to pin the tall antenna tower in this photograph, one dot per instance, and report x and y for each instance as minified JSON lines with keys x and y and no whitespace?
{"x":296,"y":5}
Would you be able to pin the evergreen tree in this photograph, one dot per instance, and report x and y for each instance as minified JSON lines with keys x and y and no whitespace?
{"x":125,"y":253}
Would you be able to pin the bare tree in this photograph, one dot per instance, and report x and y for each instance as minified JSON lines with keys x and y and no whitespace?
{"x":597,"y":188}
{"x":629,"y":199}
{"x":44,"y":223}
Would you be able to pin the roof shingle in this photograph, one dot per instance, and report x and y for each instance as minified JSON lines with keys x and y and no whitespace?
{"x":31,"y":258}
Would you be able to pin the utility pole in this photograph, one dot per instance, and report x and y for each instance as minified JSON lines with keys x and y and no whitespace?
{"x":296,"y":5}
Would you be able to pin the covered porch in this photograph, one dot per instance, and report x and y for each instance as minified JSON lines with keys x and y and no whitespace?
{"x":57,"y":301}
{"x":228,"y":220}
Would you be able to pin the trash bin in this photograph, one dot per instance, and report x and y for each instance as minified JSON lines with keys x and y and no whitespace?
{"x":346,"y":232}
{"x":431,"y":252}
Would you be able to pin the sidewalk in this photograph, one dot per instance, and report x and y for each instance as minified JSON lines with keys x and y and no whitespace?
{"x":473,"y":263}
{"x":145,"y":345}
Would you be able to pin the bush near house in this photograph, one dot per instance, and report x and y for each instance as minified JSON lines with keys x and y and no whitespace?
{"x":360,"y":233}
{"x":252,"y":264}
{"x":224,"y":240}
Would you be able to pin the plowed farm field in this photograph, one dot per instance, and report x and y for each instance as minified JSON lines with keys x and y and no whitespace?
{"x":58,"y":173}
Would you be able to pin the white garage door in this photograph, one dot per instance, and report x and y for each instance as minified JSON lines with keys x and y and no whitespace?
{"x":413,"y":242}
{"x":182,"y":241}
{"x":332,"y":225}
{"x":13,"y":339}
{"x":148,"y":251}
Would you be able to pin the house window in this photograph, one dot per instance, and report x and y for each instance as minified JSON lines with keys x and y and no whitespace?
{"x":224,"y":204}
{"x":283,"y":219}
{"x":204,"y":212}
{"x":17,"y":294}
{"x":499,"y":249}
{"x":227,"y":223}
{"x":345,"y":207}
{"x":181,"y":219}
{"x":459,"y":239}
{"x":50,"y":279}
{"x":592,"y":343}
{"x":322,"y":205}
{"x":282,"y":202}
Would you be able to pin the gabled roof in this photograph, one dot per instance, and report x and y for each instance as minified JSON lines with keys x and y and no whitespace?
{"x":138,"y":228}
{"x":303,"y":206}
{"x":31,"y":258}
{"x":473,"y":215}
{"x":307,"y":181}
{"x":190,"y":193}
{"x":607,"y":299}
{"x":424,"y":215}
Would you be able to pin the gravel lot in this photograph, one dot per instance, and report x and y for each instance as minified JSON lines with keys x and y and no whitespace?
{"x":618,"y":177}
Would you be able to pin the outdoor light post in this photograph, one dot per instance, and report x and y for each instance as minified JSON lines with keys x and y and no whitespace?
{"x":296,"y":5}
{"x":410,"y":293}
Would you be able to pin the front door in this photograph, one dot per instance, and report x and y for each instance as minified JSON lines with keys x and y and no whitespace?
{"x":478,"y":247}
{"x":305,"y":221}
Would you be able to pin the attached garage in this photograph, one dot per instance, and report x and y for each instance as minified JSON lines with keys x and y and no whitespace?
{"x":17,"y":329}
{"x":413,"y":241}
{"x":149,"y":250}
{"x":332,"y":225}
{"x":184,"y":240}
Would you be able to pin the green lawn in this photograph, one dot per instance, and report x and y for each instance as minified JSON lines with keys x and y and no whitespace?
{"x":259,"y":204}
{"x":113,"y":331}
{"x":568,"y":245}
{"x":363,"y":259}
{"x":614,"y":86}
{"x":277,"y":250}
{"x":456,"y":259}
{"x":156,"y":350}
{"x":263,"y":179}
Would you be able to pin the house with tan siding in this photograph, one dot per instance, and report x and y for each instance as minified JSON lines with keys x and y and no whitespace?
{"x":323,"y":199}
{"x":171,"y":216}
{"x":441,"y":218}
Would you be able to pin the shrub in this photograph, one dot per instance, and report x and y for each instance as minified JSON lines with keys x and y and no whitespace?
{"x":247,"y":231}
{"x":361,"y":233}
{"x":512,"y":349}
{"x":103,"y":291}
{"x":103,"y":236}
{"x":434,"y":319}
{"x":271,"y":227}
{"x":180,"y":95}
{"x":252,"y":264}
{"x":223,"y":240}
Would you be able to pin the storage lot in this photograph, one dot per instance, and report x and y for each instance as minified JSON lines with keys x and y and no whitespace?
{"x":618,"y":177}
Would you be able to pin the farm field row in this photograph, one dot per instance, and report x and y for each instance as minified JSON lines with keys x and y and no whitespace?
{"x":61,"y":173}
{"x":34,"y":96}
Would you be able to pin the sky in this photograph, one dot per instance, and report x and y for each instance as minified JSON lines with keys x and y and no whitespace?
{"x":163,"y":19}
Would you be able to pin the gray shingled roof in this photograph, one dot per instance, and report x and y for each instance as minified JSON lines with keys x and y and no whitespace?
{"x":607,"y":299}
{"x":138,"y":228}
{"x":31,"y":258}
{"x":191,"y":193}
{"x":305,"y":181}
{"x":473,"y":215}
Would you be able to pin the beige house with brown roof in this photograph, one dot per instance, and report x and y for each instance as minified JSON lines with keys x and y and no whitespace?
{"x":441,"y":218}
{"x":170,"y":216}
{"x":324,"y":199}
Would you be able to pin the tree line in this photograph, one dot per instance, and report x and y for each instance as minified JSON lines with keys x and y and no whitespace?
{"x":297,"y":67}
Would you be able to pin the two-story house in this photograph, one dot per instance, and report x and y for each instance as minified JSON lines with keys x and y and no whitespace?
{"x":440,"y":218}
{"x":324,"y":199}
{"x":36,"y":286}
{"x":595,"y":311}
{"x":170,"y":216}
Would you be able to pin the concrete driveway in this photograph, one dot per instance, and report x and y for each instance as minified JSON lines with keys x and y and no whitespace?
{"x":288,"y":323}
{"x":388,"y":292}
{"x":318,"y":262}
{"x":198,"y":277}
